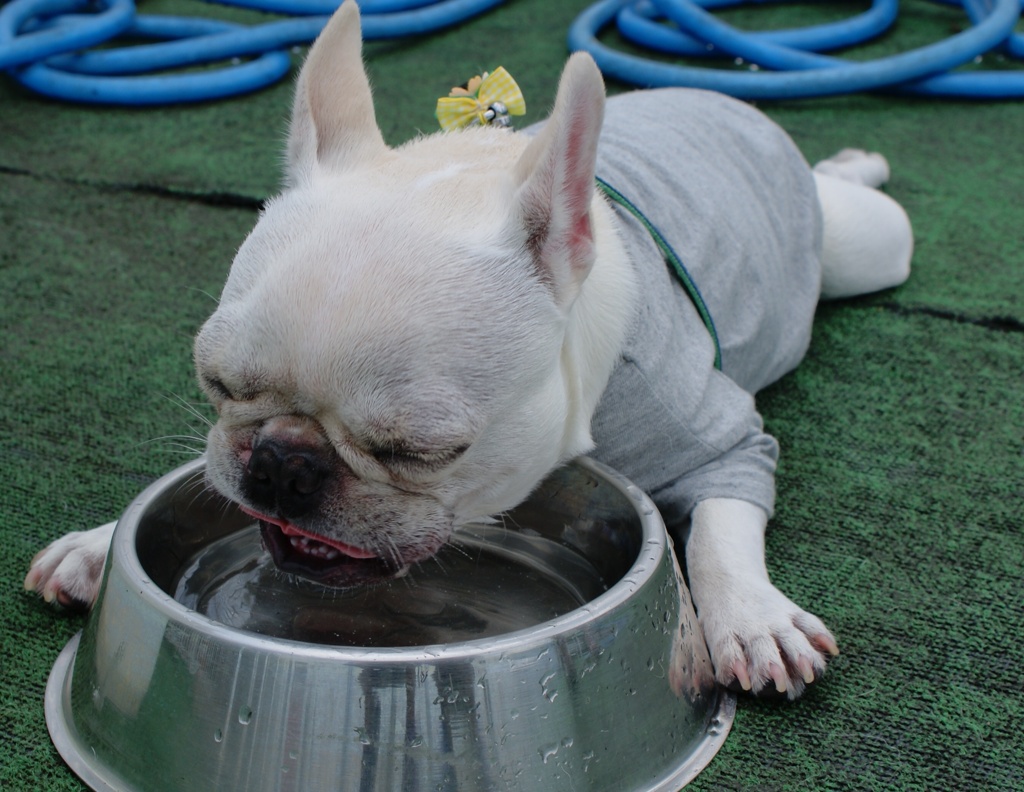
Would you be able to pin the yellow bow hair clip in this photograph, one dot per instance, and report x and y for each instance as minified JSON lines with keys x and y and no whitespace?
{"x":488,"y":99}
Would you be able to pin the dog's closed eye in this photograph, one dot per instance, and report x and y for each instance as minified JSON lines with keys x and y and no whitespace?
{"x":398,"y":456}
{"x":216,"y":388}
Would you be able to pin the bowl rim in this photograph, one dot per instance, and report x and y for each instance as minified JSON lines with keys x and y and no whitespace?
{"x":654,"y":545}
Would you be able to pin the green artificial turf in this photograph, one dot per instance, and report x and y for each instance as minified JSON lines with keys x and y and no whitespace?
{"x":902,"y":475}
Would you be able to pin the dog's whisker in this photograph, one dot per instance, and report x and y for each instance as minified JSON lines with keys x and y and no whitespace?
{"x":196,"y":495}
{"x":181,"y":448}
{"x":189,"y":444}
{"x":408,"y":581}
{"x":508,"y":522}
{"x":181,"y":442}
{"x":225,"y":509}
{"x":439,"y":562}
{"x":216,"y":300}
{"x":391,"y":553}
{"x":456,"y":548}
{"x":191,"y":408}
{"x":196,"y":486}
{"x":190,"y":437}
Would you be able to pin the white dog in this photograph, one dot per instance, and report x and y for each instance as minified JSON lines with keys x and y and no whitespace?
{"x":412,"y":338}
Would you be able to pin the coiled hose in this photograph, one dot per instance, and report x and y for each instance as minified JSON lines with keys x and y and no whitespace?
{"x":41,"y":43}
{"x":38,"y":37}
{"x":790,"y":63}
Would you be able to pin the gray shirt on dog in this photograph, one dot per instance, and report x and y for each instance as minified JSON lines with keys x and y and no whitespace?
{"x":737,"y":202}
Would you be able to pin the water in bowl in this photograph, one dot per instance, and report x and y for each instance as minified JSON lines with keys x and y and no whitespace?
{"x":485,"y":583}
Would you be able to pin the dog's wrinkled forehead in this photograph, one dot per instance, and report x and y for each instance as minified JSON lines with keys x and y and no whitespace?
{"x":355,"y":285}
{"x":376,"y":230}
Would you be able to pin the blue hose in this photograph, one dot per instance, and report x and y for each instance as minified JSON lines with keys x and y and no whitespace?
{"x":635,"y":23}
{"x":38,"y":37}
{"x":189,"y":41}
{"x":799,"y":73}
{"x":35,"y":33}
{"x":114,"y":17}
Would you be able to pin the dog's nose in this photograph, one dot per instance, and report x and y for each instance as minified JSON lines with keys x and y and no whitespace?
{"x":288,"y":478}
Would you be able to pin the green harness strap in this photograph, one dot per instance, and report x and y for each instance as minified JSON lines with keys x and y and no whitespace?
{"x":673,"y":261}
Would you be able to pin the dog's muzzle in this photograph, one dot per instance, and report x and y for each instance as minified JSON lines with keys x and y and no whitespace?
{"x":286,"y":479}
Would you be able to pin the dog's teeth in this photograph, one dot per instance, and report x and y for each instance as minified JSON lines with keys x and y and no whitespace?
{"x":313,"y":548}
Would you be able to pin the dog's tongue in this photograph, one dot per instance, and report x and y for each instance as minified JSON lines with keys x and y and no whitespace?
{"x":301,"y":536}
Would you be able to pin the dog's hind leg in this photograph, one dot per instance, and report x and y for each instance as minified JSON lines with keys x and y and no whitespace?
{"x":854,"y":165}
{"x":867,"y":240}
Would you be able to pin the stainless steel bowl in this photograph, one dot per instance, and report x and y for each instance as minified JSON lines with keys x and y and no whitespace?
{"x":557,"y":651}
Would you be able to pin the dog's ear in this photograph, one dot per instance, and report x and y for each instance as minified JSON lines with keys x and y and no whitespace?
{"x":333,"y":123}
{"x":556,"y":177}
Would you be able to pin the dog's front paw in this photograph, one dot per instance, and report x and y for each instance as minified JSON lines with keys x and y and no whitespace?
{"x":69,"y":570}
{"x":759,"y":639}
